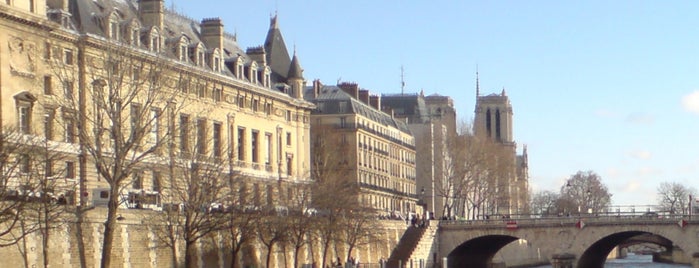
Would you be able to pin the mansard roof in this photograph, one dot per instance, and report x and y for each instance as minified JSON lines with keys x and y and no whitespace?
{"x":411,"y":106}
{"x":331,"y":96}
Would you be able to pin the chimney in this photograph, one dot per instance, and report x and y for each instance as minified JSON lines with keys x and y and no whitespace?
{"x":389,"y":111}
{"x":257,"y":54}
{"x":316,"y":88}
{"x":152,"y":13}
{"x":350,"y":88}
{"x":212,"y":33}
{"x":364,"y":96}
{"x":375,"y":101}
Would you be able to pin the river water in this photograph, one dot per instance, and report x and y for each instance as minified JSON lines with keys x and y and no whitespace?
{"x":635,"y":261}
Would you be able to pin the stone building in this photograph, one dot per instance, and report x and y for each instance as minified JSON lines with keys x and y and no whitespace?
{"x":380,"y":153}
{"x":432,"y":120}
{"x":494,"y":120}
{"x":242,"y":107}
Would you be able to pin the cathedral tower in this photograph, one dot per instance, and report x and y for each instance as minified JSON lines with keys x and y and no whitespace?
{"x":494,"y":117}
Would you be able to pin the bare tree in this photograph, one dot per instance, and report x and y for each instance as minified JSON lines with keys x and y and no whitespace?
{"x":584,"y":192}
{"x":545,"y":203}
{"x":335,"y":192}
{"x":300,"y":222}
{"x":359,"y":227}
{"x":674,"y":197}
{"x":116,"y":114}
{"x":478,"y":174}
{"x":242,"y":217}
{"x":271,"y":231}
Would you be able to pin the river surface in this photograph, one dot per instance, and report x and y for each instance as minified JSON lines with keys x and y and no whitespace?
{"x":635,"y":261}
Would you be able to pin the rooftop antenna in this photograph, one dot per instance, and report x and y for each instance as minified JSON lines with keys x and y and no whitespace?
{"x":402,"y":80}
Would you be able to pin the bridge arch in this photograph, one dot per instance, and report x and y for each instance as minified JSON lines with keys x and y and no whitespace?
{"x":596,"y":254}
{"x":478,"y":252}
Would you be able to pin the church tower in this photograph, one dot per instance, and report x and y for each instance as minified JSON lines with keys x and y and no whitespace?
{"x":494,"y":117}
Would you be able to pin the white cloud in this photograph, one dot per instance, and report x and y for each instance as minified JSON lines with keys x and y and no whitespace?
{"x":641,"y":154}
{"x":605,"y":113}
{"x":641,"y":119}
{"x":690,"y":102}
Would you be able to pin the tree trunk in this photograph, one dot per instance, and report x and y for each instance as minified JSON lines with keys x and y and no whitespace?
{"x":79,"y":236}
{"x":296,"y":256}
{"x":269,"y":254}
{"x":235,"y":248}
{"x":326,"y":245}
{"x":112,"y":206}
{"x":173,"y":246}
{"x":189,"y":254}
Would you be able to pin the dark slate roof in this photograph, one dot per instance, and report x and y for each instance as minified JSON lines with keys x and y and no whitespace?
{"x":88,"y":16}
{"x":411,"y":106}
{"x":277,"y":54}
{"x":331,"y":96}
{"x":295,"y":70}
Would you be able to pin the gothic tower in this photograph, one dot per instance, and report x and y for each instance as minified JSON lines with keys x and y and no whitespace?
{"x":494,"y":117}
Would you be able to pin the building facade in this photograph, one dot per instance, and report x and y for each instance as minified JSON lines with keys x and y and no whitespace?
{"x":192,"y":86}
{"x":432,"y":120}
{"x":380,"y":153}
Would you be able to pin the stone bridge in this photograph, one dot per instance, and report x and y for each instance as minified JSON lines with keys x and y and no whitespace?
{"x":564,"y":241}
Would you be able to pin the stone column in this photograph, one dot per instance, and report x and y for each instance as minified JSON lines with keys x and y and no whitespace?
{"x":563,"y":260}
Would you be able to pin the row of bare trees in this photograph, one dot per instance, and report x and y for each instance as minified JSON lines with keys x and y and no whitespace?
{"x":583,"y":192}
{"x":478,"y":175}
{"x":119,"y":121}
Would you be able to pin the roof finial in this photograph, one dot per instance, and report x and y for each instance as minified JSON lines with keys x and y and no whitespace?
{"x":478,"y":84}
{"x":503,"y":92}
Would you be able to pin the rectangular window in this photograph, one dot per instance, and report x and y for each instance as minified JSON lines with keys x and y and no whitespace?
{"x":217,"y":94}
{"x":48,"y":123}
{"x":288,"y":139}
{"x":201,"y":136}
{"x":254,"y":104}
{"x":202,"y":91}
{"x":254,"y":146}
{"x":289,"y":164}
{"x":241,"y":143}
{"x":288,"y":115}
{"x":154,"y":125}
{"x":48,"y":168}
{"x":268,"y":145}
{"x":137,"y":180}
{"x":47,"y":85}
{"x":24,"y":117}
{"x":217,"y":140}
{"x":70,"y":130}
{"x":68,"y":89}
{"x":343,"y":107}
{"x":136,"y":121}
{"x":184,"y":133}
{"x":156,"y":181}
{"x":241,"y":101}
{"x":25,"y":163}
{"x":68,"y":56}
{"x":47,"y":51}
{"x":343,"y":122}
{"x":70,"y":170}
{"x":268,"y":108}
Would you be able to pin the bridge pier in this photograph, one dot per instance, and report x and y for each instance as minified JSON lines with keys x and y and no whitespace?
{"x":563,"y":260}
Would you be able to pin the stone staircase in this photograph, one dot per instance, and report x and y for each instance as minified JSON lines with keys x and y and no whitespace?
{"x":415,"y":247}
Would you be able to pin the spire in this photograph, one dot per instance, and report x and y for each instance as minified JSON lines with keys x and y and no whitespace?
{"x":273,"y":21}
{"x":478,"y":84}
{"x":504,"y":94}
{"x":295,"y":70}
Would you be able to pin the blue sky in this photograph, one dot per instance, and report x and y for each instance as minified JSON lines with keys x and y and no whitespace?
{"x":609,"y":86}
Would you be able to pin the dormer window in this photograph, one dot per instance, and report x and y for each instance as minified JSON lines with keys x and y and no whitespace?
{"x":239,"y":68}
{"x":133,"y":33}
{"x":154,"y":40}
{"x":113,"y":28}
{"x":266,"y":79}
{"x":253,"y":73}
{"x":182,"y":49}
{"x":216,"y":60}
{"x":196,"y":53}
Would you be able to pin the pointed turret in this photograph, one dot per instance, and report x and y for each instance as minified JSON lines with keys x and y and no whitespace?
{"x":295,"y":78}
{"x":277,"y":55}
{"x":478,"y":84}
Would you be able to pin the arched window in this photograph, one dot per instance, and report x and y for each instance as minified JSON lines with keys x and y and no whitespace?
{"x":154,"y":40}
{"x":134,"y":33}
{"x":113,"y":27}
